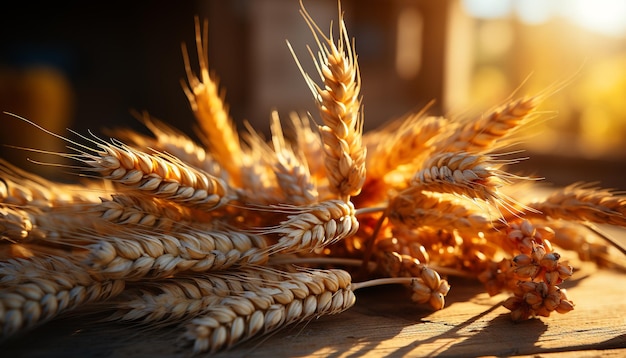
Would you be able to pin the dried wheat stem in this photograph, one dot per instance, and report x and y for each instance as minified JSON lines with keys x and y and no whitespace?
{"x":37,"y":290}
{"x":426,"y":284}
{"x":210,"y":110}
{"x":165,"y":177}
{"x":239,"y":318}
{"x":483,"y":132}
{"x":160,"y":255}
{"x":340,"y":109}
{"x":315,"y":227}
{"x":584,"y":203}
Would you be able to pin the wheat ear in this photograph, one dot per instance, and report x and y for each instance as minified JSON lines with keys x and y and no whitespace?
{"x":170,"y":300}
{"x":292,"y":173}
{"x":238,"y":319}
{"x":18,"y":187}
{"x":579,"y":202}
{"x":161,"y":255}
{"x":143,"y":211}
{"x":210,"y":110}
{"x":167,"y":139}
{"x":484,"y":132}
{"x":315,"y":227}
{"x":159,"y":175}
{"x":340,"y":108}
{"x":48,"y":226}
{"x":186,"y":296}
{"x":415,"y":209}
{"x":475,"y":176}
{"x":37,"y":290}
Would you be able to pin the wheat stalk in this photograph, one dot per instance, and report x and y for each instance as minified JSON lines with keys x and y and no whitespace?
{"x":340,"y":108}
{"x":211,"y":112}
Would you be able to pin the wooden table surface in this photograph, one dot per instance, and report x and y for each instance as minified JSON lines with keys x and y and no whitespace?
{"x":385,"y":323}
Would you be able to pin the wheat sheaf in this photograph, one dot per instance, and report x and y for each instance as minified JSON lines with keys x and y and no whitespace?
{"x":236,"y":236}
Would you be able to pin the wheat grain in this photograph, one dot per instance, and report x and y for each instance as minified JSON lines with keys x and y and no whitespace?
{"x":537,"y":299}
{"x":15,"y":224}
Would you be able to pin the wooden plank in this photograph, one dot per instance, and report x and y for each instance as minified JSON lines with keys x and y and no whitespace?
{"x":385,"y":323}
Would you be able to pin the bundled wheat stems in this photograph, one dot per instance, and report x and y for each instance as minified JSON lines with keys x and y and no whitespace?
{"x":237,"y":236}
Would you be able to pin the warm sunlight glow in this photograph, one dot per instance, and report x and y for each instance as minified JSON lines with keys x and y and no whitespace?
{"x":603,"y":16}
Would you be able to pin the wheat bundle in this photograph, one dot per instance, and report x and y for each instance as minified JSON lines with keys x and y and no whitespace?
{"x":231,"y":238}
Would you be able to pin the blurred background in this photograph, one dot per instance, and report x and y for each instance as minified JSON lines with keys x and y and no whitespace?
{"x":65,"y":66}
